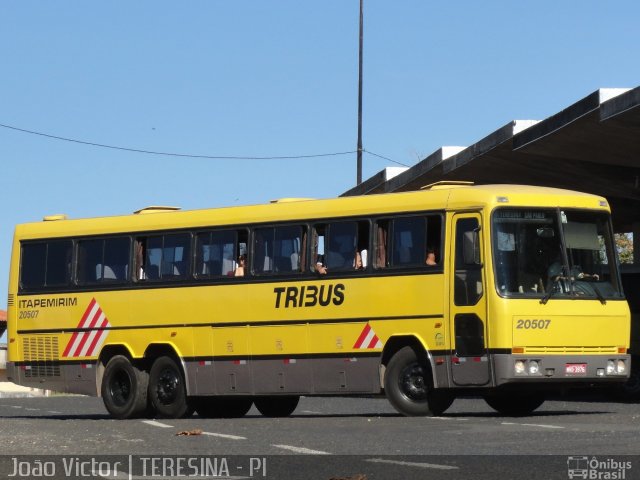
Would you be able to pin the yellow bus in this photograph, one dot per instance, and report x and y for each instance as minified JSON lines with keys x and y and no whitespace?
{"x":501,"y":291}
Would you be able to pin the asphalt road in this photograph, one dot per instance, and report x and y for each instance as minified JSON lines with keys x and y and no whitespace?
{"x":345,"y":438}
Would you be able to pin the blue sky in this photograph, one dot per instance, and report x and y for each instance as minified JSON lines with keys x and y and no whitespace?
{"x":279,"y":78}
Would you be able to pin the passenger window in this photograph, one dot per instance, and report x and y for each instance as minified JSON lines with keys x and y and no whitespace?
{"x":279,"y":249}
{"x":210,"y":253}
{"x":409,"y":242}
{"x":163,"y":257}
{"x":341,"y":246}
{"x":46,"y":264}
{"x":103,"y":260}
{"x":220,"y":253}
{"x":382,"y":233}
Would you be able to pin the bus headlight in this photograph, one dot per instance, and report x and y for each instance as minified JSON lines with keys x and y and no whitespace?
{"x":621,"y":367}
{"x":519,"y":367}
{"x":611,"y":367}
{"x":534,"y":368}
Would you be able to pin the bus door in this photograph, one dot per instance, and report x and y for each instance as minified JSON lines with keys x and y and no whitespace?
{"x":468,"y":304}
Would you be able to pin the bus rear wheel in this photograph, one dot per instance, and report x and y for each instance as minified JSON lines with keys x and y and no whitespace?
{"x":514,"y":404}
{"x":167,"y":392}
{"x":407,"y":384}
{"x":222,"y":407}
{"x":124,"y":388}
{"x":277,"y":405}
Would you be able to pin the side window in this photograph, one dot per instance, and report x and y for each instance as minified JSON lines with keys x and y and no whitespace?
{"x":221,"y":253}
{"x":33,"y":265}
{"x":408,"y":242}
{"x":215,"y":253}
{"x":341,"y":246}
{"x":382,"y":244}
{"x":163,"y":257}
{"x":279,"y":249}
{"x":103,"y":260}
{"x":468,"y":268}
{"x":46,"y":264}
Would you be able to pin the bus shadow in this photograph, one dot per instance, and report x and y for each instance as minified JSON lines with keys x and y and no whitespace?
{"x":95,"y":416}
{"x":543,"y":414}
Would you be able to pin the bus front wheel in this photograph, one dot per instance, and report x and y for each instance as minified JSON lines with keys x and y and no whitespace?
{"x":124,"y":388}
{"x":407,"y":384}
{"x":277,"y":405}
{"x":514,"y":404}
{"x":167,"y":392}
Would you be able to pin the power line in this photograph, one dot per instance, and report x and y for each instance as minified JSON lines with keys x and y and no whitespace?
{"x":214,"y":157}
{"x":385,"y":158}
{"x":173,"y":154}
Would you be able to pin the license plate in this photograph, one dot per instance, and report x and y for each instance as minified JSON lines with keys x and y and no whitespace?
{"x":575,"y":369}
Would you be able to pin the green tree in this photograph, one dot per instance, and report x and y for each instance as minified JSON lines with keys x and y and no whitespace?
{"x":624,"y":245}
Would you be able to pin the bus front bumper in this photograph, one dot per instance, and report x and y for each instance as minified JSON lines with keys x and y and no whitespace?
{"x":534,"y":368}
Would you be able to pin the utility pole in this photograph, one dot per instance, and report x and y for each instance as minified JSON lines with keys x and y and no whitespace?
{"x":359,"y":157}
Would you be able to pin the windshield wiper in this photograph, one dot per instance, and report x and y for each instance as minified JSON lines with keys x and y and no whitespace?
{"x":547,"y":296}
{"x":599,"y":294}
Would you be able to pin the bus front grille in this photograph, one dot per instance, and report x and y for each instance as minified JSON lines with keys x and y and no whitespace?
{"x":41,"y":353}
{"x":571,"y":349}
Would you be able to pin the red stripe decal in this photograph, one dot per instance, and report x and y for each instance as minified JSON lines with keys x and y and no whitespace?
{"x":362,"y":336}
{"x":85,"y":335}
{"x":96,"y":339}
{"x":373,"y":342}
{"x":75,"y":335}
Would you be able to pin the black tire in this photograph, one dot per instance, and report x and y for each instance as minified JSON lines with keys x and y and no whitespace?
{"x":630,"y":390}
{"x":124,"y":388}
{"x":167,"y":392}
{"x":222,"y":407}
{"x":277,"y":406}
{"x":515,"y":404}
{"x":408,"y":386}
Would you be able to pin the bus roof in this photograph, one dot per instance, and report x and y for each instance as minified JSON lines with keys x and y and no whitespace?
{"x":458,"y":196}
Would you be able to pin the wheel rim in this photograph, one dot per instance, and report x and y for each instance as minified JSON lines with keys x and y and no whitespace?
{"x":120,"y":388}
{"x":413,"y":383}
{"x":168,"y":386}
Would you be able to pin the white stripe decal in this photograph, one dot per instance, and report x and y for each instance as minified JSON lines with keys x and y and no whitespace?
{"x":368,"y":338}
{"x":103,"y":337}
{"x":90,"y":336}
{"x":85,"y":324}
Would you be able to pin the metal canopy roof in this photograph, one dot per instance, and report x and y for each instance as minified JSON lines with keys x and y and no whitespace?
{"x":591,"y":146}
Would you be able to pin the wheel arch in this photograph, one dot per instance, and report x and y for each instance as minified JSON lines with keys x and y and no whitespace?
{"x":106,"y":354}
{"x":156,"y":350}
{"x":398,"y":342}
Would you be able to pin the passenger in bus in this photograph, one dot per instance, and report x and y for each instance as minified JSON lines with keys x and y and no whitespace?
{"x":556,"y":274}
{"x":239,"y":270}
{"x":360,"y":260}
{"x":320,"y":266}
{"x":431,"y":257}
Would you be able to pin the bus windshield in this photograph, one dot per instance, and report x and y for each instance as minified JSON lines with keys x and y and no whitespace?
{"x":554,"y":253}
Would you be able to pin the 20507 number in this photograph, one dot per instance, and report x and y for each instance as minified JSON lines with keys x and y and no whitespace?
{"x":533,"y":324}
